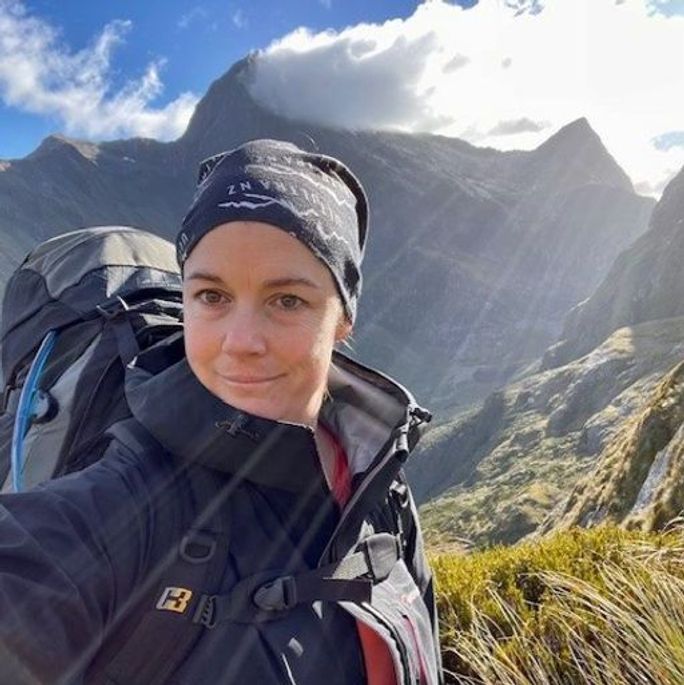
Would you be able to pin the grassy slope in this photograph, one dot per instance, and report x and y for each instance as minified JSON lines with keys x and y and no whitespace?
{"x":581,"y":607}
{"x":619,"y":489}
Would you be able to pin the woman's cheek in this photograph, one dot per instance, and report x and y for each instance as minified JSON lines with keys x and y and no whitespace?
{"x":200,"y":336}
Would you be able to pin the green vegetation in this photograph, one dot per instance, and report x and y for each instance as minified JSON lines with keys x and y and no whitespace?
{"x":593,"y":607}
{"x":599,"y":440}
{"x":612,"y":492}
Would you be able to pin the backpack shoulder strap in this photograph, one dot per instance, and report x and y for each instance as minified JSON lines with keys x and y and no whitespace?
{"x":161,"y":639}
{"x":133,"y":435}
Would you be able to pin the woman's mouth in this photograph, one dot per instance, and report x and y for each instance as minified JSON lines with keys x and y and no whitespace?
{"x":244,"y":379}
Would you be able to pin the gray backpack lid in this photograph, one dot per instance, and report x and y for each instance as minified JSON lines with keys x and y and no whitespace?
{"x":66,"y":278}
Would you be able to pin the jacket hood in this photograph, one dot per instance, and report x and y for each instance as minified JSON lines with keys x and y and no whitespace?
{"x":367,"y":411}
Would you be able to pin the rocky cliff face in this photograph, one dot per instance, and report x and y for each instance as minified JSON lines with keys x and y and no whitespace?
{"x":645,"y":283}
{"x":598,"y":438}
{"x":475,"y":255}
{"x":639,"y":476}
{"x":496,"y":474}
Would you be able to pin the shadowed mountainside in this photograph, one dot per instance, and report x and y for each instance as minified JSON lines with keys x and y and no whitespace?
{"x":475,"y":255}
{"x":645,"y":283}
{"x":610,"y":419}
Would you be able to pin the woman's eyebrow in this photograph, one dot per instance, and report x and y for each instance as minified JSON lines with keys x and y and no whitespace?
{"x":284,"y":282}
{"x":204,"y":276}
{"x":289,"y":281}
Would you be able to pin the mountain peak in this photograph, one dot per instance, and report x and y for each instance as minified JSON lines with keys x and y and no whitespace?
{"x":580,"y":126}
{"x":580,"y":152}
{"x":227,"y":111}
{"x":58,"y":142}
{"x":577,"y":132}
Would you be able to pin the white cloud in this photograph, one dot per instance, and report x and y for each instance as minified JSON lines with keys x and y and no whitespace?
{"x":239,"y":19}
{"x":39,"y":74}
{"x":514,"y":126}
{"x":194,"y":14}
{"x":520,"y":67}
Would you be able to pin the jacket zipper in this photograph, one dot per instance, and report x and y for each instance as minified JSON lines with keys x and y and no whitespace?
{"x":415,"y":417}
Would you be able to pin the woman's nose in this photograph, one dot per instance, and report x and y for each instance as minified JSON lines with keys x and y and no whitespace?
{"x":243,"y":333}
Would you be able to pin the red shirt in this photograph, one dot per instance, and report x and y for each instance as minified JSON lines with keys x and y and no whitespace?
{"x":376,"y":654}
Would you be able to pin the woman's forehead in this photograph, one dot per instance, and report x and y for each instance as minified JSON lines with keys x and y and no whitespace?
{"x":258,"y":251}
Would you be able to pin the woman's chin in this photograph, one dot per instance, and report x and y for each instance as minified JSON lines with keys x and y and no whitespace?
{"x":265,"y":400}
{"x":264,"y":408}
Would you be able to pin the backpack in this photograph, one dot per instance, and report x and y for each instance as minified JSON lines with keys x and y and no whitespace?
{"x":75,"y":312}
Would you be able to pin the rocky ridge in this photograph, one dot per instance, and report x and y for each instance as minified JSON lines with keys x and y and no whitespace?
{"x":475,"y":255}
{"x":645,"y":283}
{"x":596,"y":438}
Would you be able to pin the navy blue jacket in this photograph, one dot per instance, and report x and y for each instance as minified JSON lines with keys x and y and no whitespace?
{"x":80,"y":557}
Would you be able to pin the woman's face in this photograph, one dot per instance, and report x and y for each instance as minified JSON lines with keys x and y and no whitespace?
{"x":262,"y":315}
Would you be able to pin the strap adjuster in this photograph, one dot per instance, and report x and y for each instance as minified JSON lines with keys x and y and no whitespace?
{"x":113,"y":308}
{"x":197,"y":547}
{"x":278,"y":595}
{"x":205,"y":613}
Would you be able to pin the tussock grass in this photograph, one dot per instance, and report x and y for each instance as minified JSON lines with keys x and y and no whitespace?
{"x":597,"y":607}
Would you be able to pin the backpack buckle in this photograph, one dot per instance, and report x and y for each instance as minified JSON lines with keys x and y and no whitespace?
{"x":278,"y":595}
{"x":205,"y":613}
{"x":115,"y":307}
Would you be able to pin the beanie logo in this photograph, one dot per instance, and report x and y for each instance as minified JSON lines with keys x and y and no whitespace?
{"x":257,"y":202}
{"x":243,"y":186}
{"x":183,"y":242}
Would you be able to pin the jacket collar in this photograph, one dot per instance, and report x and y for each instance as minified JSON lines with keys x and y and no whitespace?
{"x":198,"y":427}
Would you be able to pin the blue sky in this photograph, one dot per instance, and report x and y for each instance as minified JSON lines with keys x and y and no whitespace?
{"x":197,"y":41}
{"x":499,"y":73}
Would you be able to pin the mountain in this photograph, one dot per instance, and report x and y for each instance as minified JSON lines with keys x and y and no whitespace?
{"x":638,"y":479}
{"x":599,"y":438}
{"x":497,"y":472}
{"x":645,"y":283}
{"x":474,"y":258}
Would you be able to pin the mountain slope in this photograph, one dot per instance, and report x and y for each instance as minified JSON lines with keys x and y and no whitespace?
{"x":645,"y":283}
{"x":639,"y":477}
{"x":474,"y":257}
{"x":494,"y":475}
{"x":607,"y":426}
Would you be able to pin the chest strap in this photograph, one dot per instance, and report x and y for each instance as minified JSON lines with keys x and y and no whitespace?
{"x":266,"y":596}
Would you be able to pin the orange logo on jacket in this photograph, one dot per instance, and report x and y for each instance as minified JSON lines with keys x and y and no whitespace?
{"x":174,"y":599}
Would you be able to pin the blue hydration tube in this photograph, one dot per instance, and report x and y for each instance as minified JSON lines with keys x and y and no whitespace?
{"x":25,"y":409}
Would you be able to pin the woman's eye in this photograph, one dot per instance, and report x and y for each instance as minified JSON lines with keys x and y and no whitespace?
{"x":289,"y":302}
{"x":210,"y":297}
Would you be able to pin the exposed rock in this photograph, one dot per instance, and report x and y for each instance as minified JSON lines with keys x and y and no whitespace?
{"x":475,"y":255}
{"x":546,"y":434}
{"x":645,"y":283}
{"x":638,"y":478}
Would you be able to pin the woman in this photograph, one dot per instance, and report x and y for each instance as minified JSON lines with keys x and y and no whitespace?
{"x":263,"y":532}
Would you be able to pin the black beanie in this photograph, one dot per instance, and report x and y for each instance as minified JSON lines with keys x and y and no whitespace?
{"x":313,"y":197}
